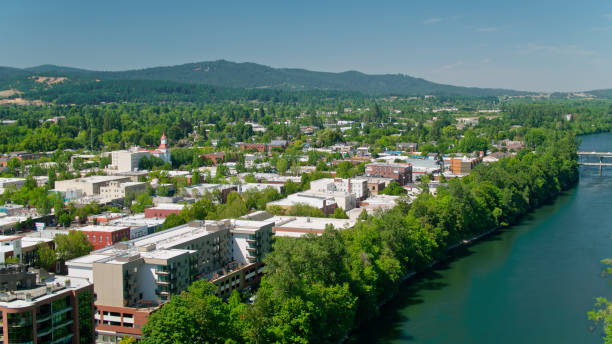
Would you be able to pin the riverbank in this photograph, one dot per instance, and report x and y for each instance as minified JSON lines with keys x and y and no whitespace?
{"x":460,"y":244}
{"x":530,"y":283}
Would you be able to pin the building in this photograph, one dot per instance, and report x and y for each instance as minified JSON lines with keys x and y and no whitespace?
{"x":11,"y":183}
{"x":200,"y":190}
{"x":117,"y":190}
{"x":133,"y":278}
{"x":87,"y":186}
{"x":128,"y":160}
{"x":327,"y":204}
{"x":407,"y":146}
{"x":463,"y":165}
{"x":58,"y":310}
{"x":21,"y":247}
{"x":215,"y":158}
{"x":163,"y":210}
{"x":260,"y":187}
{"x":139,"y":224}
{"x":357,"y":187}
{"x":296,"y":226}
{"x":400,"y":172}
{"x":260,"y":147}
{"x":104,"y":236}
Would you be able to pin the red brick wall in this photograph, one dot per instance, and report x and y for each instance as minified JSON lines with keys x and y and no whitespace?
{"x":108,"y":238}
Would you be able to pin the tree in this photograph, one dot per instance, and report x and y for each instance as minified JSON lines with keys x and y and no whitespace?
{"x":194,"y":316}
{"x":603,"y":308}
{"x":394,"y":189}
{"x":281,"y":165}
{"x":46,"y":256}
{"x":143,"y":201}
{"x":65,"y":219}
{"x":339,"y":213}
{"x":72,"y":245}
{"x":173,"y":220}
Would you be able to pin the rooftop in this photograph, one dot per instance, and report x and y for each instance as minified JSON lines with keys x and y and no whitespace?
{"x":51,"y":288}
{"x":168,"y":206}
{"x":100,"y":228}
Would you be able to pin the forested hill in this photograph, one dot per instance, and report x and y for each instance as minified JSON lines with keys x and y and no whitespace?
{"x":251,"y":75}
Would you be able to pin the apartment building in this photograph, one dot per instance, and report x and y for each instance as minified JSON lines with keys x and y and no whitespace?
{"x":127,"y":160}
{"x":400,"y":172}
{"x":118,"y":190}
{"x":133,"y":278}
{"x":58,"y":310}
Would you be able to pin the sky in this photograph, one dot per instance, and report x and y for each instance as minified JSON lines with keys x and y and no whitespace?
{"x":535,"y":45}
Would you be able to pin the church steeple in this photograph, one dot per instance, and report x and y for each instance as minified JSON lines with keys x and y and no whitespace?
{"x":163,"y":142}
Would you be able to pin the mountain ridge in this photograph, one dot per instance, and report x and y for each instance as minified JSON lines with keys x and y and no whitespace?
{"x":252,"y":75}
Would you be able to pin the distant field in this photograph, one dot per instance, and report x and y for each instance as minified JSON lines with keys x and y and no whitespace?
{"x":8,"y":93}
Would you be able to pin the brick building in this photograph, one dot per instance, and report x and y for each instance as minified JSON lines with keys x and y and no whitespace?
{"x":400,"y":172}
{"x":104,"y":236}
{"x":163,"y":210}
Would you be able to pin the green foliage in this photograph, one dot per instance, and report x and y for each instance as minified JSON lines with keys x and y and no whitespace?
{"x":46,"y":256}
{"x":301,"y":209}
{"x":394,"y":189}
{"x":602,"y":313}
{"x":11,"y":260}
{"x":194,"y":316}
{"x":339,"y":213}
{"x":143,"y":201}
{"x":127,"y":340}
{"x":72,"y":245}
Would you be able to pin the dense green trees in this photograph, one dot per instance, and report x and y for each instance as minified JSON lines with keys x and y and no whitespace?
{"x":72,"y":245}
{"x":194,"y":316}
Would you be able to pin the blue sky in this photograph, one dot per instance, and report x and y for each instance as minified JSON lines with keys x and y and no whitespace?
{"x":528,"y":45}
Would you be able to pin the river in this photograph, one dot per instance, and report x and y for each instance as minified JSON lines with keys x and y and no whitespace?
{"x":531,"y":283}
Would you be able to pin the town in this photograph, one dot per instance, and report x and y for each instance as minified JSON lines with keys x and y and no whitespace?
{"x":126,"y":231}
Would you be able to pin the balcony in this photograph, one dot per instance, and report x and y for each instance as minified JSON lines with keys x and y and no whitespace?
{"x":162,"y":272}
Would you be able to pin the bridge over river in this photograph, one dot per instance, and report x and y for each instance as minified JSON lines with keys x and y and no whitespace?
{"x":600,"y":155}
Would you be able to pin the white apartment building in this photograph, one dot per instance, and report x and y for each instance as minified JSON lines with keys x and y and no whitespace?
{"x":127,"y":160}
{"x":117,"y":190}
{"x":346,"y":192}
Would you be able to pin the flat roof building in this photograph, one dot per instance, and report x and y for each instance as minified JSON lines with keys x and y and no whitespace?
{"x":58,"y":310}
{"x":296,"y":226}
{"x":88,"y":186}
{"x":133,"y":278}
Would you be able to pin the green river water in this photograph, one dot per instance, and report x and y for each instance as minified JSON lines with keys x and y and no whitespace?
{"x":531,"y":283}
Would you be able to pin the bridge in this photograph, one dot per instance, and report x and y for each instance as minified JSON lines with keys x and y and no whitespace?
{"x":600,"y":155}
